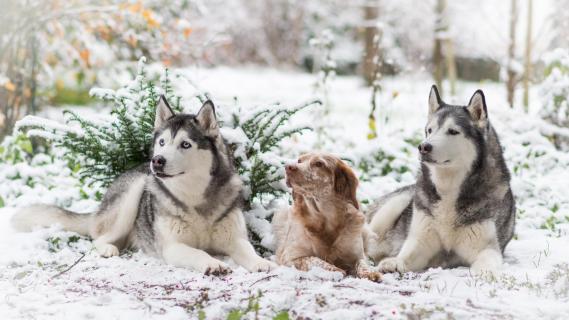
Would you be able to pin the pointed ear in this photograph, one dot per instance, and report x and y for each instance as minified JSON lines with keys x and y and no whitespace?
{"x":477,"y":108}
{"x":434,"y":100}
{"x":163,"y":112}
{"x":207,"y":120}
{"x":346,"y":183}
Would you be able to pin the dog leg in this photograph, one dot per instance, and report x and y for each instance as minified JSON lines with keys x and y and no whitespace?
{"x":181,"y":255}
{"x":243,"y":253}
{"x":488,"y":260}
{"x":111,"y":227}
{"x":478,"y":246}
{"x":420,"y":246}
{"x":307,"y":263}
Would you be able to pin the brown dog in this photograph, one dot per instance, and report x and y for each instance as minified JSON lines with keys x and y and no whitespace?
{"x":324,"y":227}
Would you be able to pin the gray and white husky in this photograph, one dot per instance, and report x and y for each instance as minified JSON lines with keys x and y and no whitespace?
{"x":461,"y":210}
{"x":182,"y":206}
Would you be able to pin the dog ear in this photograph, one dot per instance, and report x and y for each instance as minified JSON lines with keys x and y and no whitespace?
{"x":207,"y":120}
{"x":434,"y":100}
{"x":477,"y":108}
{"x":346,"y":183}
{"x":163,"y":112}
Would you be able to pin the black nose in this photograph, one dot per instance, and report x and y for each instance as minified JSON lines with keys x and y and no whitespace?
{"x":425,"y":148}
{"x":158,"y":162}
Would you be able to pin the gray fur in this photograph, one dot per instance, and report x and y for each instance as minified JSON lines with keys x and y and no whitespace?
{"x":484,"y":193}
{"x":181,"y":205}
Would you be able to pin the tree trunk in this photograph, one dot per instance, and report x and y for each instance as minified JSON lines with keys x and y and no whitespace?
{"x":371,"y":35}
{"x":528,"y":65}
{"x":512,"y":76}
{"x":440,"y":26}
{"x":451,"y":65}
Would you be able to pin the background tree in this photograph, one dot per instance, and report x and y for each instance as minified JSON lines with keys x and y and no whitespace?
{"x":527,"y":57}
{"x":512,"y":71}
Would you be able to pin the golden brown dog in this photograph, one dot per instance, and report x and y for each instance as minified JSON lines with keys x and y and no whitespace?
{"x":324,"y":227}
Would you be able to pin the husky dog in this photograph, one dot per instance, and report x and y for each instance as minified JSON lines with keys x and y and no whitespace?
{"x":461,"y":210}
{"x":181,"y":206}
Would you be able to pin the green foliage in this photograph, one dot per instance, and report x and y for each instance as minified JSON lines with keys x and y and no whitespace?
{"x":74,"y":96}
{"x":256,"y":161}
{"x":16,"y":149}
{"x":252,"y":307}
{"x":100,"y":151}
{"x":379,"y":164}
{"x":97,"y":151}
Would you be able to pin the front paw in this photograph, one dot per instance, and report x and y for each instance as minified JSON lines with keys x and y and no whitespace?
{"x":371,"y":275}
{"x":217,"y":268}
{"x":107,"y":250}
{"x":263,"y":266}
{"x":394,"y":264}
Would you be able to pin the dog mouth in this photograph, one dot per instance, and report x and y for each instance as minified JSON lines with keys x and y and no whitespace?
{"x":163,"y":175}
{"x":432,"y":161}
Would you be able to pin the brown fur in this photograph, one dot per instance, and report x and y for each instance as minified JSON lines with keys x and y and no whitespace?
{"x":324,"y":228}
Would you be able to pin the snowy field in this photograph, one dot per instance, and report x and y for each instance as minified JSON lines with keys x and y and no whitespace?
{"x":53,"y":274}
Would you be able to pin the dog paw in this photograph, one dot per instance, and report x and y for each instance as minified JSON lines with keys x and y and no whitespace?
{"x":263,"y":266}
{"x":486,"y":271}
{"x":107,"y":250}
{"x":217,"y":268}
{"x":371,"y":275}
{"x":394,"y":264}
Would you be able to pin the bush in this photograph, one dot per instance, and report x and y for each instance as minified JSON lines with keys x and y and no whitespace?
{"x":555,"y":93}
{"x":100,"y":150}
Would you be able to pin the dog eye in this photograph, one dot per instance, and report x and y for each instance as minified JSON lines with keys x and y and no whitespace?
{"x":186,"y":145}
{"x":429,"y":130}
{"x":161,"y":142}
{"x":318,"y":164}
{"x":299,"y":161}
{"x":452,"y":132}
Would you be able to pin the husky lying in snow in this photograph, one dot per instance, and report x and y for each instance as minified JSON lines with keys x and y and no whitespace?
{"x":461,"y":211}
{"x":324,"y":228}
{"x":185,"y":202}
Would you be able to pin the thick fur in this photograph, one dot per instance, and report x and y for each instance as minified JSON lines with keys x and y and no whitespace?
{"x":182,"y":206}
{"x":324,"y":228}
{"x":461,"y":210}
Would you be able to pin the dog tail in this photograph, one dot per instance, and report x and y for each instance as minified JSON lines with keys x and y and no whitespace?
{"x":31,"y":217}
{"x":384,"y":213}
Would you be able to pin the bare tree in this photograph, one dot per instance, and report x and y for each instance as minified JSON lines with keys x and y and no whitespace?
{"x":512,"y":74}
{"x":371,"y":34}
{"x":443,"y":53}
{"x":438,"y":71}
{"x":528,"y":66}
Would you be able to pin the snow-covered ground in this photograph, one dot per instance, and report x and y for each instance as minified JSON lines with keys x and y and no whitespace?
{"x":44,"y":275}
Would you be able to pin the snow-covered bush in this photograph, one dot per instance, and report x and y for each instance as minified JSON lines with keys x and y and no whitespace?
{"x":97,"y":150}
{"x":555,"y":93}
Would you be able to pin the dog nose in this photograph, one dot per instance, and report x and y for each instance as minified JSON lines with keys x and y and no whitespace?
{"x":290,"y":168}
{"x":158,"y":162}
{"x":425,"y":148}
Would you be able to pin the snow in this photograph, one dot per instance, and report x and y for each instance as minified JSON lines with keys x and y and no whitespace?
{"x":534,"y":283}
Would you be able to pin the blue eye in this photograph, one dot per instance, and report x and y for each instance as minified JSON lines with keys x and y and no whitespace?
{"x":161,"y":142}
{"x":186,"y":145}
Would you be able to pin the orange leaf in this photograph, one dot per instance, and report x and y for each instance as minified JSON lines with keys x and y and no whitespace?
{"x":187,"y":32}
{"x":10,"y":86}
{"x":84,"y":54}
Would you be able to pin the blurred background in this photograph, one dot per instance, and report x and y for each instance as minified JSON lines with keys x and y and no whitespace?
{"x":53,"y":51}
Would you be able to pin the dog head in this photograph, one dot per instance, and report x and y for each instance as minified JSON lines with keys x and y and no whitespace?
{"x":322,"y":175}
{"x":453,"y":134}
{"x":183,"y":142}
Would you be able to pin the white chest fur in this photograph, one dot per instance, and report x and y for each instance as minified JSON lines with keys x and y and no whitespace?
{"x":192,"y":229}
